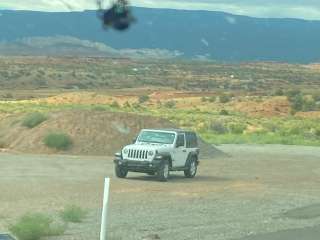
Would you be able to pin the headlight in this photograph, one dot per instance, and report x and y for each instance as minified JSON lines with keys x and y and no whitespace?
{"x":125,"y":151}
{"x":150,"y":153}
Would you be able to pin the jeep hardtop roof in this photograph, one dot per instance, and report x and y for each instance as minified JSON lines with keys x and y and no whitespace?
{"x":177,"y":130}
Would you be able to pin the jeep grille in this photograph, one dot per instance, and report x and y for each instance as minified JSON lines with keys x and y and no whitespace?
{"x":138,"y":154}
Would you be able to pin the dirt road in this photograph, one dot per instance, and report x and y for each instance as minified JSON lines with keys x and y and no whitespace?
{"x":257,"y":193}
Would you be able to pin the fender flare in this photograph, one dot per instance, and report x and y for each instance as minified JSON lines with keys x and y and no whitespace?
{"x":166,"y":156}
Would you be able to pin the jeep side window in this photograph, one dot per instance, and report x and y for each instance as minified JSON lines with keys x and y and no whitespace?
{"x":180,"y":140}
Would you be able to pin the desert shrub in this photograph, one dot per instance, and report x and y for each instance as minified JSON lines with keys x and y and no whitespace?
{"x":208,"y":99}
{"x":224,"y":112}
{"x":293,"y":93}
{"x":74,"y":214}
{"x":8,"y":95}
{"x":309,"y":105}
{"x":271,"y":127}
{"x":170,"y":104}
{"x":143,"y":98}
{"x":115,"y":104}
{"x":212,"y":99}
{"x":278,"y":92}
{"x":224,"y":98}
{"x":99,"y":108}
{"x":127,"y":105}
{"x":297,"y":102}
{"x":2,"y":144}
{"x":237,"y":128}
{"x":34,"y":119}
{"x":316,"y":97}
{"x":317,"y":132}
{"x":218,"y":127}
{"x":59,"y":141}
{"x":35,"y":226}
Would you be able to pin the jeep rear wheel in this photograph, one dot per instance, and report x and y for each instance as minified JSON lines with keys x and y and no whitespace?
{"x":163,"y":172}
{"x":120,"y":171}
{"x":192,"y":169}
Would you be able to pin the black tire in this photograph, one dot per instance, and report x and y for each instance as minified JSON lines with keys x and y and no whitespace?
{"x":192,"y":168}
{"x":163,"y":172}
{"x":120,"y":171}
{"x":151,"y":173}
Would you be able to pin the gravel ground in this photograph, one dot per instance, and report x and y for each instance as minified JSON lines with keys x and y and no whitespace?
{"x":255,"y":193}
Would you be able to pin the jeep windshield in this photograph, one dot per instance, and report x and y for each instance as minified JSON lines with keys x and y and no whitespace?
{"x":156,"y":137}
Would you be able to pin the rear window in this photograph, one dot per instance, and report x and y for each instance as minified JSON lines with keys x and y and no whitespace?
{"x":192,"y":141}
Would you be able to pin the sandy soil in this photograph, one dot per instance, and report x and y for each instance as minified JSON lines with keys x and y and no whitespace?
{"x":254,"y":192}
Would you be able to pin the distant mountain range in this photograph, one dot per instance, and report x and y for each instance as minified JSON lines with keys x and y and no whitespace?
{"x":164,"y":32}
{"x":71,"y":46}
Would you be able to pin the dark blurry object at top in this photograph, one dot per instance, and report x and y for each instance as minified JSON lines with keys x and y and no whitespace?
{"x":118,"y":17}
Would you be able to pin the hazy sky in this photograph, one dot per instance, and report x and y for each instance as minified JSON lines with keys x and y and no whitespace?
{"x":306,"y":9}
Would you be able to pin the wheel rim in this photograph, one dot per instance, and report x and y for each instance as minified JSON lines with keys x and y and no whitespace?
{"x":193,"y":168}
{"x":166,"y":171}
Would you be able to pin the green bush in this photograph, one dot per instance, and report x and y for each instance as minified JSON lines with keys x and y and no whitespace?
{"x":59,"y":141}
{"x":316,"y":97}
{"x":224,"y":98}
{"x":143,"y":98}
{"x":293,"y":93}
{"x":317,"y":132}
{"x":218,"y":127}
{"x":309,"y":105}
{"x":204,"y":99}
{"x":208,"y":99}
{"x":3,"y":144}
{"x":33,"y":119}
{"x":99,"y":108}
{"x":278,"y":92}
{"x":170,"y":104}
{"x":73,"y":214}
{"x":115,"y":104}
{"x":224,"y":112}
{"x":237,"y":128}
{"x":127,"y":105}
{"x":297,"y":103}
{"x":35,"y":226}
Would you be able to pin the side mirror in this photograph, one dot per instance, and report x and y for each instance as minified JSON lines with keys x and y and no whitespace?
{"x":134,"y":140}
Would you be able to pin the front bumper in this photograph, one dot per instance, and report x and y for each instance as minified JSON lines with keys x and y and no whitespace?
{"x":138,"y":166}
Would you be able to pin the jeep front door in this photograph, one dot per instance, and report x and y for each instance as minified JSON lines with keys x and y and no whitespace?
{"x":180,"y":152}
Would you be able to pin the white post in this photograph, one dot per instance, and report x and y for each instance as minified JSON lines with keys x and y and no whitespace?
{"x":103,"y":233}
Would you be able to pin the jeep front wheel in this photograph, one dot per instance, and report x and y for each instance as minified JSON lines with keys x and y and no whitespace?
{"x":120,"y":171}
{"x":192,"y":169}
{"x":163,"y":171}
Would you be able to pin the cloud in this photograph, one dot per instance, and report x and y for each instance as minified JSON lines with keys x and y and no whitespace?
{"x":306,"y":9}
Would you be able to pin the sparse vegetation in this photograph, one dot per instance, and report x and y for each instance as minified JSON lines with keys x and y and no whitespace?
{"x":221,"y":123}
{"x":34,"y":226}
{"x":143,"y":98}
{"x":224,"y":98}
{"x":73,"y":213}
{"x":59,"y":141}
{"x":218,"y":127}
{"x":33,"y":119}
{"x":115,"y":104}
{"x":279,"y":92}
{"x":237,"y":128}
{"x":224,"y":112}
{"x":170,"y":104}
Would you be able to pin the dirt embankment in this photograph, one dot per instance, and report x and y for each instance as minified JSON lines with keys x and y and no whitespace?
{"x":92,"y":132}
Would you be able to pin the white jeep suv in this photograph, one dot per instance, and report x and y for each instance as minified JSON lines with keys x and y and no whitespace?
{"x":159,"y":151}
